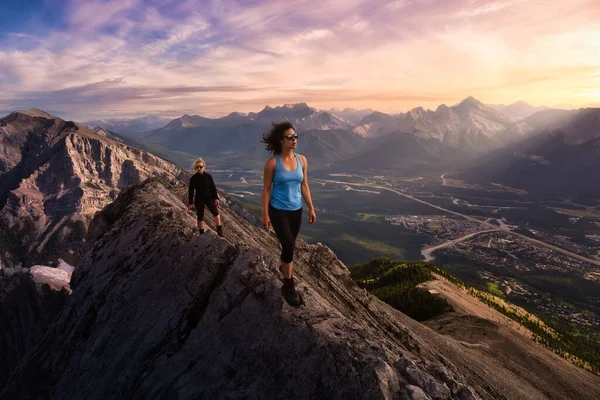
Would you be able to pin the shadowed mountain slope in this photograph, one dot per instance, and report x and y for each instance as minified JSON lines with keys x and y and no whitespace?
{"x":159,"y":312}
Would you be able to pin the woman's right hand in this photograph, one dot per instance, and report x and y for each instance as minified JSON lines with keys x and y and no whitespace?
{"x":266,"y":222}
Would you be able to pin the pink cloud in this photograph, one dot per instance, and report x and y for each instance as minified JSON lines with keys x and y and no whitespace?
{"x":396,"y":54}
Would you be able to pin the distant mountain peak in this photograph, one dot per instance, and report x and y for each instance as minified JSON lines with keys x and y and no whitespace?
{"x":416,"y":112}
{"x":470,"y":102}
{"x":521,"y":103}
{"x":131,"y":125}
{"x":236,"y":114}
{"x":36,"y":112}
{"x":286,"y":112}
{"x":235,"y":117}
{"x":295,"y":105}
{"x":287,"y":106}
{"x":379,"y":114}
{"x":517,"y":110}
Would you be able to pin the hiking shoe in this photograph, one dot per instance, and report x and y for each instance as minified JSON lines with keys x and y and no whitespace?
{"x":289,"y":293}
{"x":220,"y":230}
{"x":200,"y":231}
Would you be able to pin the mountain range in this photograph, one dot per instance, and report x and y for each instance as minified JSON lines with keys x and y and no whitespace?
{"x":471,"y":140}
{"x":560,"y":159}
{"x":469,"y":125}
{"x":519,"y":110}
{"x":233,"y":141}
{"x":131,"y":125}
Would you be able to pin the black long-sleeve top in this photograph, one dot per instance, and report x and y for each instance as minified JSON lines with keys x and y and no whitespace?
{"x":204,"y":188}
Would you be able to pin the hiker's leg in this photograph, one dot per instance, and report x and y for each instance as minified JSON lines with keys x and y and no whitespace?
{"x":295,"y":222}
{"x":281,"y":225}
{"x":200,"y":216}
{"x":214,"y":210}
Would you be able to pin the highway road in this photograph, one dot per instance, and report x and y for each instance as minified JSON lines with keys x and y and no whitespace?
{"x":426,"y":252}
{"x":467,"y":217}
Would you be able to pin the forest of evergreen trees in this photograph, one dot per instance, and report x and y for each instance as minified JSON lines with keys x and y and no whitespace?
{"x":394,"y":282}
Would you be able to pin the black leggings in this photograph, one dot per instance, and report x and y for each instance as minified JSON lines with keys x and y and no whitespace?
{"x":286,"y":225}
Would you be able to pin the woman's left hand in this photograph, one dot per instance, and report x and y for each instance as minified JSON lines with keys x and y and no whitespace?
{"x":312,"y":217}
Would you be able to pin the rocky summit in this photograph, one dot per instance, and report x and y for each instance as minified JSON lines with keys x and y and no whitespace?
{"x":160,"y":312}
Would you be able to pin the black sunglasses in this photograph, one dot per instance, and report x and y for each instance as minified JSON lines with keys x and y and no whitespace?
{"x":200,"y":166}
{"x":290,"y":137}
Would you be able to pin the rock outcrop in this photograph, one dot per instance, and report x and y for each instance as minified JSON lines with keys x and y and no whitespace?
{"x":54,"y":175}
{"x":30,"y":300}
{"x":159,"y":312}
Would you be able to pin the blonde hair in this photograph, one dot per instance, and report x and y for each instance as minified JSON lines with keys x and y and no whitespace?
{"x":198,"y":161}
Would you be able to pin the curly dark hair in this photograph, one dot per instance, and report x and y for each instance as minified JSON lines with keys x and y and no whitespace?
{"x":272,"y":138}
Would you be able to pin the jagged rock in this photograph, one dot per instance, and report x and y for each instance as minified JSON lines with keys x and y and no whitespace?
{"x":158,"y":311}
{"x":54,"y":175}
{"x":29,"y":302}
{"x":411,"y":392}
{"x":416,"y":376}
{"x":466,"y":393}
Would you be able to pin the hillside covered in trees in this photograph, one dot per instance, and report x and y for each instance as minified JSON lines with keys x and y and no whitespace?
{"x":395,"y":283}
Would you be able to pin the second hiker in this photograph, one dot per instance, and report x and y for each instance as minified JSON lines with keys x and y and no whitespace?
{"x":203,"y":192}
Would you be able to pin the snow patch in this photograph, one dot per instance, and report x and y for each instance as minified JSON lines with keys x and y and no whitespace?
{"x":57,"y":279}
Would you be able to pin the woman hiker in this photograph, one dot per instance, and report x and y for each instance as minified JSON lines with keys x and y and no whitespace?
{"x":285,"y":183}
{"x":202,"y":184}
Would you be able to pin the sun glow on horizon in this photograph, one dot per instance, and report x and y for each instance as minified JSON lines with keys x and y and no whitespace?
{"x":116,"y":58}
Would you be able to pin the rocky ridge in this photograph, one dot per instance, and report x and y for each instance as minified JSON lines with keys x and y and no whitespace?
{"x":160,"y":312}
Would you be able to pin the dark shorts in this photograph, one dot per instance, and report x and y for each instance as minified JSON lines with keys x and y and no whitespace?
{"x":212,"y":207}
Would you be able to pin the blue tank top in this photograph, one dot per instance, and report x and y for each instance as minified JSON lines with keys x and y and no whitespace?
{"x":286,"y":193}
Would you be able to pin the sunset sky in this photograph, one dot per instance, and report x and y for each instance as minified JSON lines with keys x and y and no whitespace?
{"x":124,"y":58}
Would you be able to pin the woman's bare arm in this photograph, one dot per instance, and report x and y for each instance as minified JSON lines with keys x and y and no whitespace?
{"x":312,"y":217}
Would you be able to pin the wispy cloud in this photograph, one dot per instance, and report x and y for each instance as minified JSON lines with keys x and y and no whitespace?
{"x":484,"y":8}
{"x":139,"y":56}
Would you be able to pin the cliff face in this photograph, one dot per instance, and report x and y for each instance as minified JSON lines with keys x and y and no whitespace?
{"x":54,"y":175}
{"x":160,"y":312}
{"x":29,"y":301}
